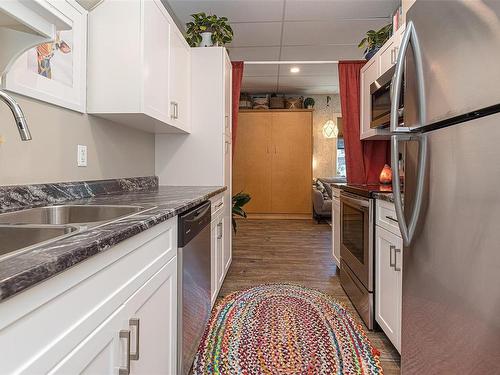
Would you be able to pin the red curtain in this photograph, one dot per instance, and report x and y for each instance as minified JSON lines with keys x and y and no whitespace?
{"x":237,"y":77}
{"x":364,"y":159}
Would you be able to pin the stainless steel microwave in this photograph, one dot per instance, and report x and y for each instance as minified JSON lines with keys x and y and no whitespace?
{"x":380,"y":92}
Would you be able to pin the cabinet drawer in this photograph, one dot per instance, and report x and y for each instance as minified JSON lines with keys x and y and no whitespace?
{"x":386,"y":217}
{"x":57,"y":314}
{"x":217,"y":204}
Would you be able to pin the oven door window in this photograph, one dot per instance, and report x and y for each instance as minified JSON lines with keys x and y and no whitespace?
{"x":353,"y":229}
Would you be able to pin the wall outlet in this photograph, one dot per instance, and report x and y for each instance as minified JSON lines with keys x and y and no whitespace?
{"x":81,"y":158}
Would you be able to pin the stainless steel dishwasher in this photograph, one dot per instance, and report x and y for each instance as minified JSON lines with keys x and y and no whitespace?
{"x":193,"y":282}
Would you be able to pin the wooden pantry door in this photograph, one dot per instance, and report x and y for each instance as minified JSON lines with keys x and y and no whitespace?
{"x":252,"y":160}
{"x":291,"y":151}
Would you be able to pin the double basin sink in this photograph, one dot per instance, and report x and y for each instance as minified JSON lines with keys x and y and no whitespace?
{"x":23,"y":230}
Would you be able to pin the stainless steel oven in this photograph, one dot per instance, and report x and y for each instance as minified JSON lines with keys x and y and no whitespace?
{"x":380,"y":92}
{"x":357,"y":253}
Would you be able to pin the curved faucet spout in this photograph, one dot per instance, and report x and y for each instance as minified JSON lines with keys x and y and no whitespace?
{"x":18,"y":114}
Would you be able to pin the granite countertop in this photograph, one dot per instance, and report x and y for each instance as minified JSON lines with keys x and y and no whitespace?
{"x":26,"y":269}
{"x":388,"y":197}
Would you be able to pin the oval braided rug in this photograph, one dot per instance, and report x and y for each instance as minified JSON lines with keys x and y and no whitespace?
{"x":284,"y":329}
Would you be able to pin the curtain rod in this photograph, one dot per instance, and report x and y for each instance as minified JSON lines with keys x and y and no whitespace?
{"x":289,"y":62}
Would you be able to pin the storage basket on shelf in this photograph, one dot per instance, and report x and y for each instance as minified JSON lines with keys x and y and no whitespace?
{"x":293,"y":103}
{"x":246,"y":101}
{"x":277,"y":102}
{"x":260,"y":101}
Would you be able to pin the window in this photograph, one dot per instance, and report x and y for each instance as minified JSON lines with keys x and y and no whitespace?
{"x":341,"y":170}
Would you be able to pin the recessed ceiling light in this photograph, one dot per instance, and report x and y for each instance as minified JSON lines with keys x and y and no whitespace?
{"x":294,"y":69}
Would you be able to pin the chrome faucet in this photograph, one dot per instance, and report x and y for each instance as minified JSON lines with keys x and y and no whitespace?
{"x":21,"y":123}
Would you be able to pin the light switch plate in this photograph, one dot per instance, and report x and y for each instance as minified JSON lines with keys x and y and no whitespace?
{"x":81,"y":158}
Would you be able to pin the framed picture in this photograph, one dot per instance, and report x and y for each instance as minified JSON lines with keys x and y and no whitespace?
{"x":55,"y":72}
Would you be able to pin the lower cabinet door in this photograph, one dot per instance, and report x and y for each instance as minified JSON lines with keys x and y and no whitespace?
{"x":214,"y":260}
{"x":220,"y":251}
{"x":152,"y":323}
{"x":388,"y":286}
{"x":140,"y":337}
{"x":101,"y":352}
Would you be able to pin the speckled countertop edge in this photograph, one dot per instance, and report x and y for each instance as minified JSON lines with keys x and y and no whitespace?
{"x":27,"y":269}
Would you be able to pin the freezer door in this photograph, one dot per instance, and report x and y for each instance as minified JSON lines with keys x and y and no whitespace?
{"x":451,"y":278}
{"x":460,"y":48}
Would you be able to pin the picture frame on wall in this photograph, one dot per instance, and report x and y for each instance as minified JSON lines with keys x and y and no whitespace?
{"x":55,"y":72}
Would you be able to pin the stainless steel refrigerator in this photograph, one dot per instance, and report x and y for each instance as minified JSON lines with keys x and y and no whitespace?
{"x":450,"y":214}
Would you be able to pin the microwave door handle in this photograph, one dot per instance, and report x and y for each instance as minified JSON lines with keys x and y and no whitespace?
{"x":408,"y":230}
{"x":410,"y":36}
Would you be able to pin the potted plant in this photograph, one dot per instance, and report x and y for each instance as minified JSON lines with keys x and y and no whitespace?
{"x":374,"y":40}
{"x":239,"y":200}
{"x":208,"y":30}
{"x":309,"y":103}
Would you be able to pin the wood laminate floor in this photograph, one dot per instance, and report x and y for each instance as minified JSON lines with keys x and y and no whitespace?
{"x":298,"y":251}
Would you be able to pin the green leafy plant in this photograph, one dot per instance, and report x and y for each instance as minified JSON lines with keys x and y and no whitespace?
{"x":239,"y":200}
{"x":222,"y":33}
{"x":375,"y":39}
{"x":309,"y":102}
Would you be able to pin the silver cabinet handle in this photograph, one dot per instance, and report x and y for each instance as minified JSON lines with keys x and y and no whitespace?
{"x":392,"y":249}
{"x":392,"y":56}
{"x":172,"y":110}
{"x":176,"y":110}
{"x":219,"y":205}
{"x":396,"y":268}
{"x":410,"y":36}
{"x":408,"y":230}
{"x":125,"y":334}
{"x":135,"y":322}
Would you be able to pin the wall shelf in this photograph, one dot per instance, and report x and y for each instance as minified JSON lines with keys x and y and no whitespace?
{"x":25,"y":24}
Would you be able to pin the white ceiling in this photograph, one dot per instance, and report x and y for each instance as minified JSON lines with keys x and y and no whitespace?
{"x":293,"y":30}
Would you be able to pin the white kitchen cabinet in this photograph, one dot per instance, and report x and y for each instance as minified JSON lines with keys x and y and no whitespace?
{"x":220,"y":256}
{"x":93,"y":301}
{"x":336,"y":225}
{"x":146,"y":321}
{"x":135,"y":86}
{"x":180,"y":76}
{"x":388,"y":283}
{"x":388,"y":54}
{"x":204,"y":158}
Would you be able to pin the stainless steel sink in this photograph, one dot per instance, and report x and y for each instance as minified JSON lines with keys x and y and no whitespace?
{"x":69,"y":214}
{"x":14,"y":238}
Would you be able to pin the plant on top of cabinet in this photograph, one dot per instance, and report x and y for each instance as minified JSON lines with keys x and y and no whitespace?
{"x":239,"y":200}
{"x":374,"y":40}
{"x":208,"y":30}
{"x":309,"y":103}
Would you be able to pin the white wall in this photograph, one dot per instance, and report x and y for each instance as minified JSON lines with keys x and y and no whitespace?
{"x":113,"y":150}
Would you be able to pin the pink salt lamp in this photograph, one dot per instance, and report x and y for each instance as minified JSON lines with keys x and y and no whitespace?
{"x":386,"y":175}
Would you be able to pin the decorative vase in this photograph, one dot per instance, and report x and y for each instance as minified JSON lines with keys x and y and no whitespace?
{"x":371,"y":52}
{"x":386,"y":175}
{"x":206,"y":39}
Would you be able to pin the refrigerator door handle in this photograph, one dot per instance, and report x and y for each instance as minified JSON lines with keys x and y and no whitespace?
{"x":408,"y":230}
{"x":410,"y":36}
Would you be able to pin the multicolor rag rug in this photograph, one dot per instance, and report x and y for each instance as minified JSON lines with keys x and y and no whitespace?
{"x":284,"y":329}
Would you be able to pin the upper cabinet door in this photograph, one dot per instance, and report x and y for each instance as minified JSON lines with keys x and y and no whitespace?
{"x":156,"y":40}
{"x":180,"y":81}
{"x":138,"y":67}
{"x":387,"y":57}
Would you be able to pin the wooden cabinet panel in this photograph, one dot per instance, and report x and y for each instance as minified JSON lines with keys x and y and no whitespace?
{"x":291,"y":152}
{"x":252,"y":158}
{"x":273,"y":161}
